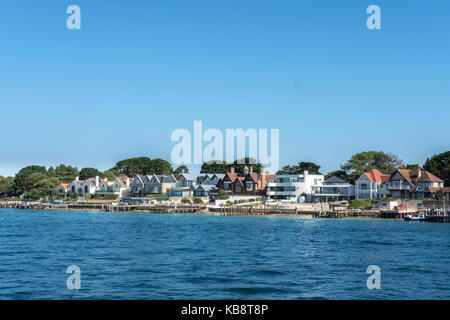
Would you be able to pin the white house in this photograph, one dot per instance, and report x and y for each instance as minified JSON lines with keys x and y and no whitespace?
{"x":371,"y":185}
{"x":119,"y":187}
{"x":294,"y":188}
{"x":335,"y":189}
{"x":89,"y":186}
{"x":63,"y":189}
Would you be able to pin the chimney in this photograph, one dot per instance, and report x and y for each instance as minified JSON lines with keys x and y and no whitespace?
{"x":263,"y":171}
{"x":251,"y":169}
{"x":97,"y":181}
{"x":419,"y":173}
{"x":305,"y":174}
{"x":77,"y":178}
{"x":128,"y":182}
{"x":232,"y":170}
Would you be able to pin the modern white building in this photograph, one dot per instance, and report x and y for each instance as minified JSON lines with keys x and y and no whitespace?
{"x":294,"y":188}
{"x":335,"y":189}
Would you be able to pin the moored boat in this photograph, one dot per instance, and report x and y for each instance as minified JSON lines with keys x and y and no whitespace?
{"x":415,"y":217}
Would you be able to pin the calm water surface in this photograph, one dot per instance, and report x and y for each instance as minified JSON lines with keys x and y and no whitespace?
{"x":180,"y":256}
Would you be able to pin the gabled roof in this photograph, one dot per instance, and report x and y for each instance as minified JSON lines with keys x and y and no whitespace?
{"x":231,"y":176}
{"x":407,"y":174}
{"x":426,"y":176}
{"x":64,"y":185}
{"x":165,"y":179}
{"x":139,"y":178}
{"x":191,"y":176}
{"x":207,"y":187}
{"x":335,"y":180}
{"x":376,"y":176}
{"x":254,"y":176}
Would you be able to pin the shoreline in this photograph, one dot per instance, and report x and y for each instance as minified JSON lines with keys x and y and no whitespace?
{"x":225,"y":211}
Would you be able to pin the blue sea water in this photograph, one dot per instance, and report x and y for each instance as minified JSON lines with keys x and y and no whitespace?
{"x":188,"y":256}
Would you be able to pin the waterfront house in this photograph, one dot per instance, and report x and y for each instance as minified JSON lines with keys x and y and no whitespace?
{"x":334,"y":189}
{"x":202,"y":190}
{"x":118,"y":188}
{"x":413,"y":184}
{"x":294,"y":187}
{"x":63,"y":189}
{"x":188,"y":182}
{"x":245,"y":183}
{"x":184,"y":184}
{"x":370,"y":185}
{"x":151,"y":184}
{"x":88,"y":186}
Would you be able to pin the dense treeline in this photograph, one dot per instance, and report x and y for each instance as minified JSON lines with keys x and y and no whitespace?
{"x":439,"y":165}
{"x":224,"y":167}
{"x":38,"y":182}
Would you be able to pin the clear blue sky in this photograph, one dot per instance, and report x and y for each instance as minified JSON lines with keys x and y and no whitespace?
{"x":137,"y":70}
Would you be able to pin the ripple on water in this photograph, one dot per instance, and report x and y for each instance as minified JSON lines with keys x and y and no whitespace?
{"x":153,"y":256}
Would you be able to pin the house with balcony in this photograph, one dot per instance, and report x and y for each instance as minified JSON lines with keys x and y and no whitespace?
{"x":202,"y":190}
{"x":295,"y":187}
{"x":413,"y":184}
{"x":143,"y":185}
{"x":370,"y":185}
{"x":334,"y":189}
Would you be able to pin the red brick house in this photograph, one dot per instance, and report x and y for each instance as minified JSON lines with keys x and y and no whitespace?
{"x":245,"y":183}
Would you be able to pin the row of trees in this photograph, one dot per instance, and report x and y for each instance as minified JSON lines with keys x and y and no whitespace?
{"x":439,"y":165}
{"x":38,"y":182}
{"x":224,"y":167}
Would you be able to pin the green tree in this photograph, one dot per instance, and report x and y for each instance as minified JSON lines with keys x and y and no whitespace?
{"x":65,"y":173}
{"x":20,"y":180}
{"x":181,"y":169}
{"x":340,"y":174}
{"x":367,"y":160}
{"x":6,"y":186}
{"x":160,"y":166}
{"x":87,"y":173}
{"x":217,"y":166}
{"x":439,"y":165}
{"x":44,"y":188}
{"x":134,"y":166}
{"x":185,"y":200}
{"x":440,"y":194}
{"x":311,"y":167}
{"x":111,"y":174}
{"x":198,"y":201}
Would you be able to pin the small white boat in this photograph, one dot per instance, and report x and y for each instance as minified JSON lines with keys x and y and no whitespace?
{"x":415,"y":217}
